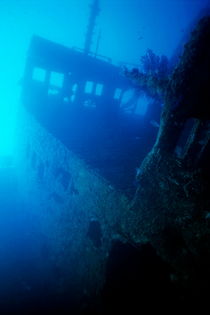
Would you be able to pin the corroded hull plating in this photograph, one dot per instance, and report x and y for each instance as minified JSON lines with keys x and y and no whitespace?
{"x":83,"y":214}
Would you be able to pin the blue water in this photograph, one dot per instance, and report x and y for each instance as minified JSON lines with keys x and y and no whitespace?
{"x":128,"y":28}
{"x":25,"y":270}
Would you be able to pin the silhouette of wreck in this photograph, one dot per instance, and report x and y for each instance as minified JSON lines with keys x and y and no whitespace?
{"x":79,"y":154}
{"x":78,"y":98}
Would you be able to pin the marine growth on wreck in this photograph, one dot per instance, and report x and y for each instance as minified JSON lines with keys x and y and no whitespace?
{"x":105,"y":203}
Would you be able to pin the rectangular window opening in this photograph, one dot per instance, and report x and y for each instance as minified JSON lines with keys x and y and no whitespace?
{"x":53,"y":91}
{"x":89,"y":87}
{"x":56,"y":79}
{"x":39,"y":74}
{"x":74,"y":87}
{"x":185,"y":137}
{"x":99,"y":89}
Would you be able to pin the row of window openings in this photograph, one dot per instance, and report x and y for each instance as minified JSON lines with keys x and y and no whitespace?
{"x":57,"y":79}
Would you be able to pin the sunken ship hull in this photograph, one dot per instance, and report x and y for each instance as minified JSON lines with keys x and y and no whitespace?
{"x":78,"y":155}
{"x":113,"y":240}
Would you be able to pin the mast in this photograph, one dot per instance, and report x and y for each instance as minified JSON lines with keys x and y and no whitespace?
{"x":94,"y":12}
{"x":97,"y":43}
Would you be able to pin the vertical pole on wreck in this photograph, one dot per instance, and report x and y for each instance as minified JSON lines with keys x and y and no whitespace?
{"x":97,"y":43}
{"x":91,"y":25}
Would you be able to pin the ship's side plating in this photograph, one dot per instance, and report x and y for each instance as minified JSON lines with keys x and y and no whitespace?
{"x":80,"y":211}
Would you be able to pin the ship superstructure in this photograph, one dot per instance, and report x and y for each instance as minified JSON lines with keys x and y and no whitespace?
{"x":80,"y":148}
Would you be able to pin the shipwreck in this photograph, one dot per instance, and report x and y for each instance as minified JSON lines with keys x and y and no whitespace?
{"x":102,"y":190}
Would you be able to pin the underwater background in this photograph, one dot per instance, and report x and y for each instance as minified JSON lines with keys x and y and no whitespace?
{"x":104,"y":151}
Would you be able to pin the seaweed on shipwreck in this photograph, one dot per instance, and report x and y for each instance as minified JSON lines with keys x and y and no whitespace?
{"x":171,"y":206}
{"x":152,"y":76}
